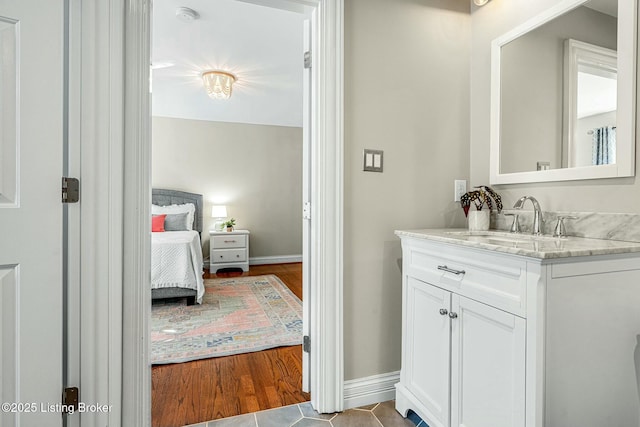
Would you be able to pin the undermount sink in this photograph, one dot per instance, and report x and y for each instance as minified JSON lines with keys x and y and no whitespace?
{"x":500,"y":237}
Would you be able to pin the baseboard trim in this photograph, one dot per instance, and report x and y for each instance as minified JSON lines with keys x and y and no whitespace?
{"x":370,"y":390}
{"x":278,"y":259}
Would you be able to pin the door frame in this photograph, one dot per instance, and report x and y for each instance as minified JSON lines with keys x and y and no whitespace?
{"x":326,"y":318}
{"x":306,"y":204}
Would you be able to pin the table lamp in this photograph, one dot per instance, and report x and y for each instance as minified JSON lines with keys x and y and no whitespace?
{"x":219,"y":212}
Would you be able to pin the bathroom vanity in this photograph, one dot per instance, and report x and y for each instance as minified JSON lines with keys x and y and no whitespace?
{"x":502,"y":329}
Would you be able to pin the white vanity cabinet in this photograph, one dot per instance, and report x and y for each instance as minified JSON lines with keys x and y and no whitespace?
{"x":498,"y":340}
{"x":463,"y":352}
{"x":463,"y":361}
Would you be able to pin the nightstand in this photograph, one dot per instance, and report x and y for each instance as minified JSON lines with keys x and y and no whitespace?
{"x":228,"y":249}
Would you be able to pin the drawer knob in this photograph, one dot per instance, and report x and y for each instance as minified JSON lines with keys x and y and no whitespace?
{"x":450,"y":270}
{"x":237,"y":256}
{"x":453,"y":315}
{"x":443,"y":311}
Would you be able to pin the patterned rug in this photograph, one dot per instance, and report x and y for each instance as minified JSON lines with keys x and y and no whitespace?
{"x":237,"y":315}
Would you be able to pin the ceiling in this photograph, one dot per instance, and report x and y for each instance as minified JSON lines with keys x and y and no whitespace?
{"x":261,"y":45}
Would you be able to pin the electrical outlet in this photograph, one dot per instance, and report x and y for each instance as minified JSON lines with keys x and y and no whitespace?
{"x":459,"y":188}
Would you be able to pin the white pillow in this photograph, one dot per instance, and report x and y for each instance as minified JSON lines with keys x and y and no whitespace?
{"x":176,"y":209}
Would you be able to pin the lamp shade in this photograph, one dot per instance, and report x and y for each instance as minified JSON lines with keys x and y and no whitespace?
{"x":219,"y":84}
{"x":219,"y":211}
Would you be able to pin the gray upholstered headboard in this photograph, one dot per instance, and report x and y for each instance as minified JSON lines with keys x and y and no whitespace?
{"x":164,"y":197}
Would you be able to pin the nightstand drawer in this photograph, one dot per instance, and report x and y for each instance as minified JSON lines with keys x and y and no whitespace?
{"x":231,"y":241}
{"x":228,"y":255}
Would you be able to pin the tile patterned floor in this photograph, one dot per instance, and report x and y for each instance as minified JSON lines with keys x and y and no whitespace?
{"x":303,"y":415}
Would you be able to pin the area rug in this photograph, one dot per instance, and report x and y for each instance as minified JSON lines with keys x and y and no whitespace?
{"x":237,"y":315}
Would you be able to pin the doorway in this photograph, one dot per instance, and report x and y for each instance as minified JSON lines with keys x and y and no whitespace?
{"x":245,"y":153}
{"x":326,"y":229}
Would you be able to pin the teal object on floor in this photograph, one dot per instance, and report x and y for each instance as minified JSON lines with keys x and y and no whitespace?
{"x":414,"y":418}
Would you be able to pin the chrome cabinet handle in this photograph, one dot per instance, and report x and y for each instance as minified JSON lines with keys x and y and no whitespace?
{"x":453,"y":315}
{"x":443,"y":311}
{"x":450,"y":270}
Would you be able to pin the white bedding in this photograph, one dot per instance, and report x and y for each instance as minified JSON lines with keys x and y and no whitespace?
{"x":176,"y":261}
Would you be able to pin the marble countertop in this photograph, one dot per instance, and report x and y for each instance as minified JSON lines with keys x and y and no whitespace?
{"x":541,"y":247}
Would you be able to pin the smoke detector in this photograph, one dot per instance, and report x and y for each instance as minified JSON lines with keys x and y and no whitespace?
{"x":186,"y":15}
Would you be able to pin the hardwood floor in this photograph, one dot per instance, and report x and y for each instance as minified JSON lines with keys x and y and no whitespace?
{"x":208,"y":389}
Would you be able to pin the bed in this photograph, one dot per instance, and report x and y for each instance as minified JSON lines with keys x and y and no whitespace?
{"x":176,"y":256}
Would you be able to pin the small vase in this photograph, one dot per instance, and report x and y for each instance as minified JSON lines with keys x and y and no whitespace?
{"x":479,"y":220}
{"x":229,"y":229}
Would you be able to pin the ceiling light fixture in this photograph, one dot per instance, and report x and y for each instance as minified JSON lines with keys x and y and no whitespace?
{"x":480,"y":2}
{"x":218,"y":84}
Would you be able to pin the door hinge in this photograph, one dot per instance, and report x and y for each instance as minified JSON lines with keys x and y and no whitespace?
{"x":70,"y":190}
{"x":306,"y":210}
{"x":306,"y":344}
{"x":307,"y":59}
{"x":70,"y":400}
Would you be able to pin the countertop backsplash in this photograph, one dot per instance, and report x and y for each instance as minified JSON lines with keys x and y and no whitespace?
{"x":594,"y":225}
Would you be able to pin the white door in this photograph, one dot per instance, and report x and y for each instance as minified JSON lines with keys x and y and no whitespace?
{"x":31,"y":149}
{"x":488,"y":366}
{"x":306,"y":208}
{"x":427,"y":353}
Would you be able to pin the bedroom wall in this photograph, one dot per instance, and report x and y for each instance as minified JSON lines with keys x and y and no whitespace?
{"x":603,"y":195}
{"x":406,"y":88}
{"x":255,"y":170}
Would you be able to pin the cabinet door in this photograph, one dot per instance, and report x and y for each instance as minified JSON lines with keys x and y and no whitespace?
{"x":488,"y":366}
{"x":426,"y":360}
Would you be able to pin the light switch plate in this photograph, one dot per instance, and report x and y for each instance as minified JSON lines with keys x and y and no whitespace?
{"x":372,"y":160}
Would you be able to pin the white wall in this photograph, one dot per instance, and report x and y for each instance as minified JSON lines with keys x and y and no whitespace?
{"x":255,"y":170}
{"x":407,"y":93}
{"x":605,"y":195}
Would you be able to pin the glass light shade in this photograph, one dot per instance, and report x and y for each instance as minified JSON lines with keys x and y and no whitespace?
{"x":219,"y":211}
{"x":219,"y":84}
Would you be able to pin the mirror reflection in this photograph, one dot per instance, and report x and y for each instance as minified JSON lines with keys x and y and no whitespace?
{"x":591,"y":77}
{"x":558,"y":92}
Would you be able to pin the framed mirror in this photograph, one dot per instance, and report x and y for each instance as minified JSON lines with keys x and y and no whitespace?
{"x":563,"y":94}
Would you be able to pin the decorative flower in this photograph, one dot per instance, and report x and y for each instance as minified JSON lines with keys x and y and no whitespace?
{"x":485,"y":195}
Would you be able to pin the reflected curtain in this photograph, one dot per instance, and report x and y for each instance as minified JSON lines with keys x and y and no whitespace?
{"x":604,"y":146}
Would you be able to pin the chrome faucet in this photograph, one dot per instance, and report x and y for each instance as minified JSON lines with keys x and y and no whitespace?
{"x":537,"y":212}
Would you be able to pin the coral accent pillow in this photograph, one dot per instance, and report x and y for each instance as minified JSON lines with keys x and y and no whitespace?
{"x":157,"y":223}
